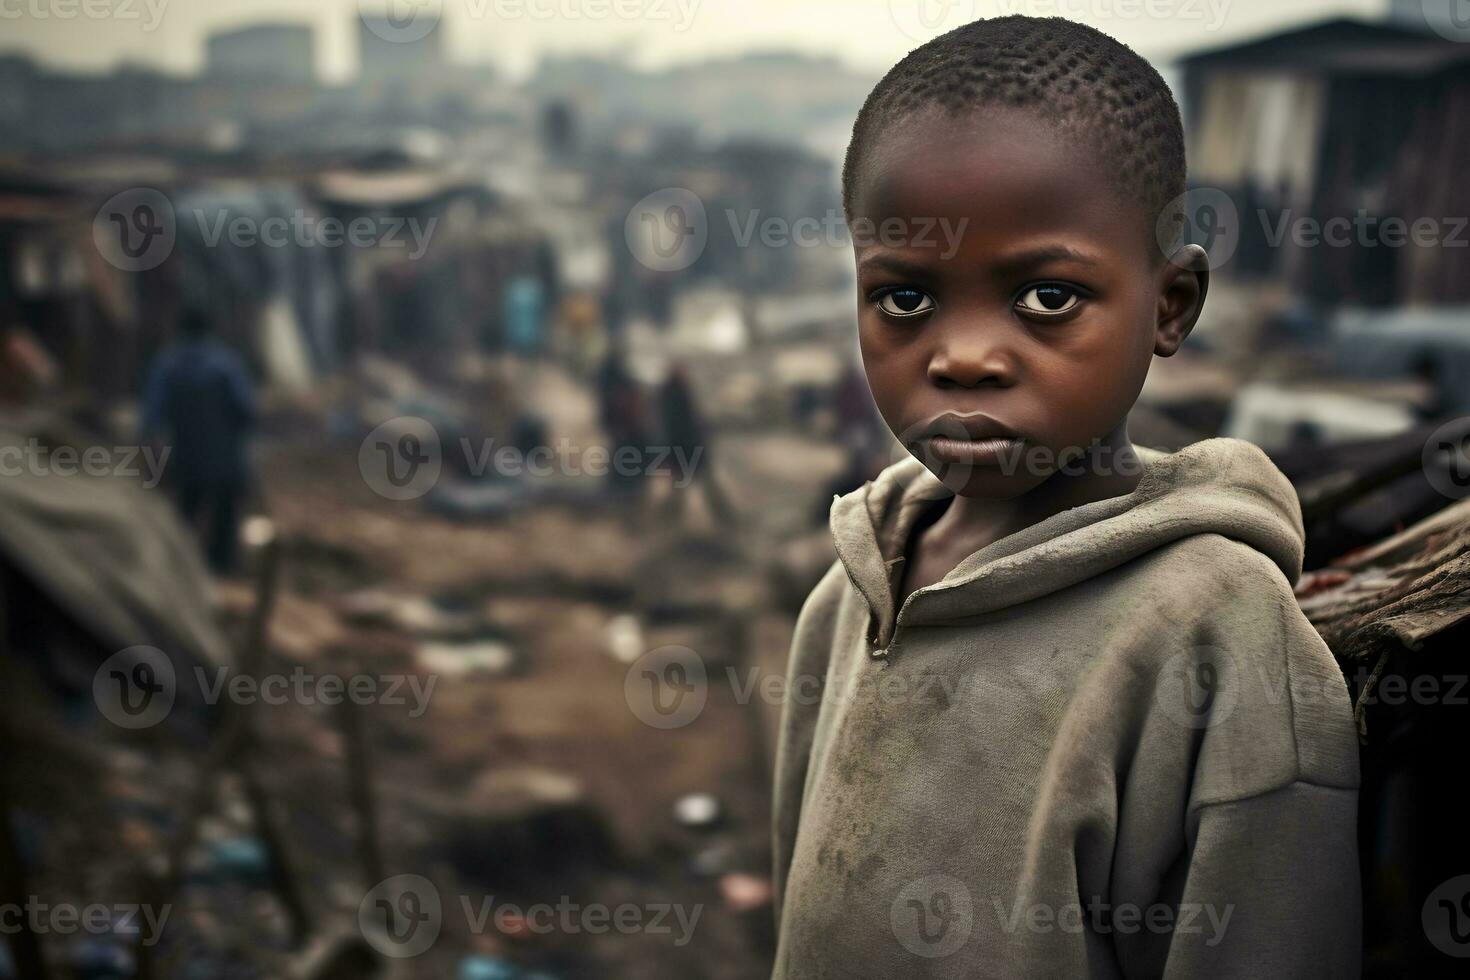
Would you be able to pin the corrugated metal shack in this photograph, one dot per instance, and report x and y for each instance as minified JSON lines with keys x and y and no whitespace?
{"x":1340,"y":119}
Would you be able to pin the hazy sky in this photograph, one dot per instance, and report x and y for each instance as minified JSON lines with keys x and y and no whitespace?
{"x":95,"y":34}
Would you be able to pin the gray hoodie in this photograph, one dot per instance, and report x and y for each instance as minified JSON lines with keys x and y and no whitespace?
{"x":1107,"y":745}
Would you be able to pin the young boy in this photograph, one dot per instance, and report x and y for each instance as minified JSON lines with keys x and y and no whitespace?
{"x":1072,"y":722}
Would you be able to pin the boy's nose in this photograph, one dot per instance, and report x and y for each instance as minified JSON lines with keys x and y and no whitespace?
{"x":972,"y":361}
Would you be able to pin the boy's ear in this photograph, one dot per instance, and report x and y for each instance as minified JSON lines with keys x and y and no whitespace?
{"x":1186,"y":279}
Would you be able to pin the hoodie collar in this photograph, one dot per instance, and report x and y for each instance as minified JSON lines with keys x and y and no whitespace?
{"x":1221,"y":486}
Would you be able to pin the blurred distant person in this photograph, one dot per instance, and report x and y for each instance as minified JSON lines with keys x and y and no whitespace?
{"x":524,"y":315}
{"x":858,"y":427}
{"x":200,"y":401}
{"x":861,"y":437}
{"x":623,"y":412}
{"x":860,"y":464}
{"x":688,"y":440}
{"x":26,"y":370}
{"x":1429,"y":371}
{"x":1304,"y":434}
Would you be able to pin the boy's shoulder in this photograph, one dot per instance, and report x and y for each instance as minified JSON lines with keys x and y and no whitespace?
{"x":1215,"y":558}
{"x":1237,"y":634}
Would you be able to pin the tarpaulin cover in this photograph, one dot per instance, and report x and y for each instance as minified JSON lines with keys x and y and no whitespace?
{"x":110,"y":553}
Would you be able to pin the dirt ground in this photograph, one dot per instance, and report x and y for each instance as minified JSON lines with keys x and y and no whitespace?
{"x":518,"y":748}
{"x":574,"y":593}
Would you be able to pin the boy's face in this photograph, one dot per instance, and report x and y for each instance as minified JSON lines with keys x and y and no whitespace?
{"x":1005,"y":290}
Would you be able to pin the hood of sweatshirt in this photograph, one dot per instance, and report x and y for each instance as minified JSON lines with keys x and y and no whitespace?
{"x":1217,"y":486}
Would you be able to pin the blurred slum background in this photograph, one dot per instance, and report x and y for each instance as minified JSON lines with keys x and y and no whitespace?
{"x":384,"y":323}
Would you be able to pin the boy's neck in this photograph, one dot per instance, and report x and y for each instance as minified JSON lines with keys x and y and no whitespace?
{"x":1110,"y":468}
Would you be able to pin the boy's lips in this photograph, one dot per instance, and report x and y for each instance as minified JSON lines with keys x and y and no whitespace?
{"x":969,"y":452}
{"x":966,"y":439}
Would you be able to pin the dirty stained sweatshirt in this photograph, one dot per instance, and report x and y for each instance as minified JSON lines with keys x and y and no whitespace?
{"x":1108,"y":745}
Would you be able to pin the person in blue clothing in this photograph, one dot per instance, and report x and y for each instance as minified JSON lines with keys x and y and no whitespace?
{"x":199,"y":399}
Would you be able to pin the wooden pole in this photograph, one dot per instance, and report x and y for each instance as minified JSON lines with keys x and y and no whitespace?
{"x":282,"y":869}
{"x":227,"y":742}
{"x":360,"y":788}
{"x":15,"y":889}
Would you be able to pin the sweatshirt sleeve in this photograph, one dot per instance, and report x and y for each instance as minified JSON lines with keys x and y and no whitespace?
{"x":811,"y":646}
{"x":1272,"y":888}
{"x":1249,"y":832}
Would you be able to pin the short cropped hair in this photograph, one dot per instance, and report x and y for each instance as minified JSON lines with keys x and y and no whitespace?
{"x":1092,"y":83}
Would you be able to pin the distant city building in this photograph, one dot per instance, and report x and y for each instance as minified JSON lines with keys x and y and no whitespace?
{"x":278,"y":52}
{"x":18,"y":91}
{"x":559,"y":128}
{"x":393,"y":47}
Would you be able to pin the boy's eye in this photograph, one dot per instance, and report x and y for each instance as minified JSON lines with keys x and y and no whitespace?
{"x":1049,"y":300}
{"x":905,"y":302}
